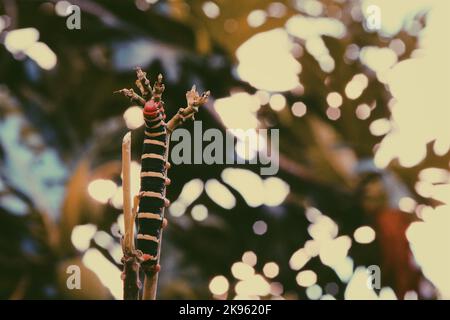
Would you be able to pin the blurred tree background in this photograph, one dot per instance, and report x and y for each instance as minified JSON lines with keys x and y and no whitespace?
{"x":363,"y":146}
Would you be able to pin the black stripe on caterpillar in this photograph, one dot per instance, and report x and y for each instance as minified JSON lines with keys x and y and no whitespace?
{"x":152,"y":192}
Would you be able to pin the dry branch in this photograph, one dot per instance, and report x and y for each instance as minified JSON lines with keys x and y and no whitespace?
{"x":194,"y":101}
{"x":132,"y":95}
{"x":143,"y":83}
{"x":130,"y":260}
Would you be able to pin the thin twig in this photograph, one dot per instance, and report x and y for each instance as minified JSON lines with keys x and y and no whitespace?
{"x":130,"y":258}
{"x":133,"y":96}
{"x":194,"y":101}
{"x":143,"y":83}
{"x":126,"y":184}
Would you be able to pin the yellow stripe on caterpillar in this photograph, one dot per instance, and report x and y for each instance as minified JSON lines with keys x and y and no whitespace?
{"x":149,"y":215}
{"x":147,"y":237}
{"x":154,"y":134}
{"x":152,"y":156}
{"x":151,"y":194}
{"x":152,"y":174}
{"x":157,"y":142}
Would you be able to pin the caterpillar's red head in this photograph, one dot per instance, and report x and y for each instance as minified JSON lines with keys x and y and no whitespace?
{"x":153,"y":108}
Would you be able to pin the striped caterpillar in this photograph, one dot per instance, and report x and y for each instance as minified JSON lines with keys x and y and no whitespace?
{"x":153,"y":178}
{"x":154,"y":165}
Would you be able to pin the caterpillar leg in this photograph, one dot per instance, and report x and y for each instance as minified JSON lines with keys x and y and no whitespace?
{"x":134,"y":210}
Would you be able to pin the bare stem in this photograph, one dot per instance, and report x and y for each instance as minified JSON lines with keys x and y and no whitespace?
{"x":130,"y":258}
{"x":130,"y":276}
{"x":126,"y":183}
{"x":150,"y":285}
{"x":133,"y":96}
